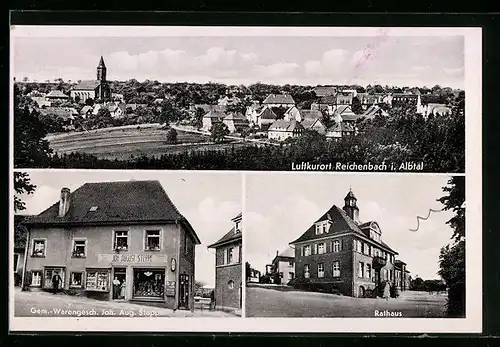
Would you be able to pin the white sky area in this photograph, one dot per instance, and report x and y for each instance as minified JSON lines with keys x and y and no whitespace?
{"x":207,"y":200}
{"x":304,"y":60}
{"x":280,"y":208}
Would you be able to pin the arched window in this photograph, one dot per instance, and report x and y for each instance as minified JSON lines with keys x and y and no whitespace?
{"x":230,"y":284}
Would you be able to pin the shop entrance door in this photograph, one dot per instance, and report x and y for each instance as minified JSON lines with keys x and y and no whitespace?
{"x":119,"y":283}
{"x":184,"y":292}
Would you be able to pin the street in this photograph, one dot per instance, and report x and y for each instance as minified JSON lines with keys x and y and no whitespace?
{"x":42,"y":304}
{"x":268,"y":302}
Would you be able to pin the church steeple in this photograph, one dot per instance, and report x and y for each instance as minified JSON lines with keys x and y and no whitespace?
{"x":101,"y":70}
{"x":351,"y":207}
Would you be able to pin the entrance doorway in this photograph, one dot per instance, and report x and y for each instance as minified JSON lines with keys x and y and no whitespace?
{"x":184,"y":292}
{"x":361,"y":292}
{"x":119,"y":283}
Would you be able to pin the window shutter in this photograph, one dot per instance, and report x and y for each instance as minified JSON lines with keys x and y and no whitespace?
{"x":315,"y":248}
{"x":341,"y":244}
{"x":224,"y":261}
{"x":302,"y":250}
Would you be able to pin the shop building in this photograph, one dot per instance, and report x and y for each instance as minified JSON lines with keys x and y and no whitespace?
{"x":114,"y":241}
{"x":228,"y":269}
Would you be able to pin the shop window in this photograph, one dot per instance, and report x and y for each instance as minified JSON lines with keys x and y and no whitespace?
{"x":76,"y":280}
{"x":149,"y":283}
{"x":121,"y":240}
{"x":79,"y":248}
{"x":49,"y":273}
{"x":36,"y":278}
{"x":97,"y":280}
{"x":39,"y":246}
{"x":152,"y":240}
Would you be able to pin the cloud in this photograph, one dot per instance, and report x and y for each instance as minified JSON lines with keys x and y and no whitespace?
{"x":277,"y":70}
{"x":456,"y":71}
{"x":330,"y":63}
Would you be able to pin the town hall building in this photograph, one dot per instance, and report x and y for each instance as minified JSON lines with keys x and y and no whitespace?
{"x":122,"y":240}
{"x":339,"y":253}
{"x":98,"y":89}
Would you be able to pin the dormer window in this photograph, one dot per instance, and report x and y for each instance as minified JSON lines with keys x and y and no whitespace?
{"x":237,"y":227}
{"x":322,"y":227}
{"x":93,"y":208}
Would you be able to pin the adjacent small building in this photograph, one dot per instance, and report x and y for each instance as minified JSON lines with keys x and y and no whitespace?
{"x":228,"y":269}
{"x":211,"y":118}
{"x":402,"y":275}
{"x":114,"y":241}
{"x":339,"y":253}
{"x":283,"y":264}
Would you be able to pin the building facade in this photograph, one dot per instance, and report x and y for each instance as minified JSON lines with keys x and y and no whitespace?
{"x":228,"y":269}
{"x":114,"y":241}
{"x":94,"y":89}
{"x":338,"y":253}
{"x":284,"y":265}
{"x":20,"y":235}
{"x":281,"y":130}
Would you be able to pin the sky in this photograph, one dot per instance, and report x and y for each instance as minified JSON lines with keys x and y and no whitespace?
{"x":306,"y":60}
{"x":280,"y":208}
{"x":207,"y":200}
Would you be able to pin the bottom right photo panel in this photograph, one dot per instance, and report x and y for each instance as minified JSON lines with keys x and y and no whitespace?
{"x":355,"y":245}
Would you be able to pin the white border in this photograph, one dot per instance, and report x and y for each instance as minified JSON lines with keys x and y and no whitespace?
{"x":473,"y":321}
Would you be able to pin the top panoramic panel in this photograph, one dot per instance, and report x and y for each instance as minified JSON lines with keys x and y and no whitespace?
{"x":277,"y":99}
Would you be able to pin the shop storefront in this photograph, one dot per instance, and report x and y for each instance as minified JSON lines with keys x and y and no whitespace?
{"x":148,"y":283}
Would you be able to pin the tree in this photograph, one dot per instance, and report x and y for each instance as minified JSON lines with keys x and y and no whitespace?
{"x":356,"y":106}
{"x":171,"y":136}
{"x":218,"y":132}
{"x":30,"y":147}
{"x":198,"y":118}
{"x":452,"y":257}
{"x":198,"y":288}
{"x":89,"y":102}
{"x":22,"y":185}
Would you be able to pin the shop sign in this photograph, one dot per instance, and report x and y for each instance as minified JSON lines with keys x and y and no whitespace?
{"x":133,"y":258}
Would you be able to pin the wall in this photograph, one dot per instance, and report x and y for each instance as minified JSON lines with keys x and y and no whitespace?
{"x":187,"y":261}
{"x":225,"y":296}
{"x":100,"y":252}
{"x":18,"y":271}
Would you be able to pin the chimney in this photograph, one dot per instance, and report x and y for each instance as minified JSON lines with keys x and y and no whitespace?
{"x":276,"y":253}
{"x":64,"y":202}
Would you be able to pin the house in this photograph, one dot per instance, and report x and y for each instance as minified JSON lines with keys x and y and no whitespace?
{"x":227,"y":101}
{"x":117,"y":97}
{"x":339,"y":253}
{"x":345,"y":112}
{"x":86,"y":111}
{"x":128,"y":230}
{"x":235,"y":122}
{"x":279,"y":100}
{"x":94,"y":89}
{"x":401,"y":275}
{"x":281,"y":130}
{"x":253,"y":276}
{"x":339,"y":130}
{"x":293,"y":113}
{"x":284,"y":265}
{"x":56,"y":95}
{"x":265,"y":117}
{"x":367,"y":100}
{"x":403,"y":99}
{"x":315,"y":124}
{"x":207,"y":108}
{"x":228,"y":269}
{"x":373,"y":111}
{"x":344,"y":97}
{"x":211,"y":118}
{"x":117,"y":110}
{"x":324,"y":91}
{"x":20,"y":234}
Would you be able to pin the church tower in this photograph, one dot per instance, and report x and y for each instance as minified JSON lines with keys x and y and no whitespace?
{"x":101,"y":71}
{"x":350,"y":206}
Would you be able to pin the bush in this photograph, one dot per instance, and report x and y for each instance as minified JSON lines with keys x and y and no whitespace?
{"x":171,"y":136}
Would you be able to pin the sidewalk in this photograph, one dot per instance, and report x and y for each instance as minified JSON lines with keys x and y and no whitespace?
{"x":29,"y":304}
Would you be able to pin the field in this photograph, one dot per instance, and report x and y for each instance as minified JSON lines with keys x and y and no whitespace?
{"x":124,"y":142}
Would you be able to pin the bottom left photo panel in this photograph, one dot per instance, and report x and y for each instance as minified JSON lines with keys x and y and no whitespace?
{"x":88,"y":243}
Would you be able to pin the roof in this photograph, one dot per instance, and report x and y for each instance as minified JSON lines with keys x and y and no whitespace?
{"x":208,"y":108}
{"x":323,"y":91}
{"x":230,"y":237}
{"x":340,"y":222}
{"x":307,"y":123}
{"x":341,"y":126}
{"x":289,"y":252}
{"x":372,"y":111}
{"x":236,"y":116}
{"x":56,"y":94}
{"x":431,"y":98}
{"x":328,"y":99}
{"x":343,"y":109}
{"x":85,"y":109}
{"x":441,"y":110}
{"x":215,"y":114}
{"x":101,"y":62}
{"x":267,"y":113}
{"x":282,"y":124}
{"x":350,"y":117}
{"x":350,"y":195}
{"x":405,"y":95}
{"x":311,"y":114}
{"x":117,"y":203}
{"x":87,"y":85}
{"x":63,"y":112}
{"x":279,"y":99}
